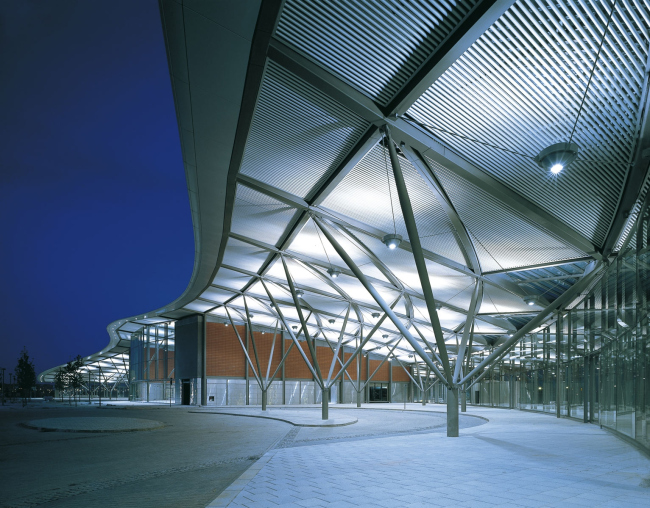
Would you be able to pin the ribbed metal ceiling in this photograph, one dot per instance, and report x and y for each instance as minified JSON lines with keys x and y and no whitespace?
{"x":374,"y":46}
{"x":520,"y":87}
{"x":258,"y":216}
{"x":299,"y":135}
{"x":502,"y":237}
{"x":368,"y":194}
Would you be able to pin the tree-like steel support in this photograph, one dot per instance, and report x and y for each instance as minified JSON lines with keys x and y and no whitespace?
{"x":264,"y":384}
{"x":418,"y":256}
{"x":380,"y":301}
{"x":564,"y":299}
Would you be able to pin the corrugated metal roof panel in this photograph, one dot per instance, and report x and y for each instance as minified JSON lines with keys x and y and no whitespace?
{"x":502,"y":236}
{"x":520,"y":87}
{"x":298,"y":135}
{"x":258,"y":216}
{"x":368,"y":194}
{"x":374,"y":46}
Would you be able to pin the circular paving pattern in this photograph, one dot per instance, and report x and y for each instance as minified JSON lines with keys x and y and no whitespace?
{"x":93,"y":424}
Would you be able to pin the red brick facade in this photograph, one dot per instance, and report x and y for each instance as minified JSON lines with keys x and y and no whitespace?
{"x":225,"y":357}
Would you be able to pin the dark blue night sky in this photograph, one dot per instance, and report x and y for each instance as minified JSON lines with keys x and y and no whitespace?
{"x":94,"y":215}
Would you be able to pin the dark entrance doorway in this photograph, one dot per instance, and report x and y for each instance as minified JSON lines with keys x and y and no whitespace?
{"x":186,"y":392}
{"x":378,"y":392}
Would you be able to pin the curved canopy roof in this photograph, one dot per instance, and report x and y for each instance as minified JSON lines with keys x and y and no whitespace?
{"x":288,"y":113}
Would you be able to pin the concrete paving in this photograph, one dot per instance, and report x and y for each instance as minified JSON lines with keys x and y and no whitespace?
{"x":93,"y":424}
{"x":186,"y":463}
{"x":301,"y":417}
{"x":518,"y":459}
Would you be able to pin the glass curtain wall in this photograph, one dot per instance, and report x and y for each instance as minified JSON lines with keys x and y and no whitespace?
{"x":151,"y":363}
{"x":591,"y":362}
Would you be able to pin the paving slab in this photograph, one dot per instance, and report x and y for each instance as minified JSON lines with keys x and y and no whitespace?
{"x":93,"y":424}
{"x":516,"y":459}
{"x":305,"y":417}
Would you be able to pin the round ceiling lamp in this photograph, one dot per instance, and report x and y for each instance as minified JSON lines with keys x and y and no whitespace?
{"x":375,"y":315}
{"x":299,"y":292}
{"x":531,"y":300}
{"x":557,"y":157}
{"x":332,"y":321}
{"x":334,"y":272}
{"x":392,"y":241}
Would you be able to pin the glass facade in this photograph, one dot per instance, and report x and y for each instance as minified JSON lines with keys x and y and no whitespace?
{"x":151,"y":363}
{"x":591,"y":362}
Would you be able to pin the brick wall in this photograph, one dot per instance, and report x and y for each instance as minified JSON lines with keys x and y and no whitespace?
{"x":224,"y":355}
{"x":399,"y":375}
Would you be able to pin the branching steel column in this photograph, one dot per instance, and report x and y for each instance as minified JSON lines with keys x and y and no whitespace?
{"x":296,"y":301}
{"x":380,"y":301}
{"x":338,"y":346}
{"x":563,"y":300}
{"x":241,"y":343}
{"x":290,"y":332}
{"x":469,"y":325}
{"x":416,"y":247}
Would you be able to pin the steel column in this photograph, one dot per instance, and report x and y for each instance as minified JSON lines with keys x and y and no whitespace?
{"x":380,"y":301}
{"x":416,"y":247}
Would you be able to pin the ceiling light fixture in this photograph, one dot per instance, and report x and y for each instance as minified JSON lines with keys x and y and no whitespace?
{"x":385,"y":336}
{"x":531,"y":300}
{"x":334,"y":272}
{"x":392,"y":241}
{"x":332,"y":321}
{"x":299,"y":292}
{"x":375,"y":315}
{"x":557,"y":157}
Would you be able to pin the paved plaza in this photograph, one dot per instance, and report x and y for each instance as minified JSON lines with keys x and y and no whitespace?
{"x":518,"y":459}
{"x":388,"y":457}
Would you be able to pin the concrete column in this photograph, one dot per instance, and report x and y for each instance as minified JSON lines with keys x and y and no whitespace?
{"x":203,"y":339}
{"x":390,"y":381}
{"x":247,"y":376}
{"x":325,"y":398}
{"x":284,"y":391}
{"x":452,"y":412}
{"x":558,"y":365}
{"x":366,"y":390}
{"x":463,"y":400}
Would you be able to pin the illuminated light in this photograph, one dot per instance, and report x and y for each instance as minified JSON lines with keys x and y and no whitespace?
{"x":392,"y":241}
{"x":557,"y":157}
{"x":531,"y":300}
{"x":299,"y":292}
{"x":334,"y":272}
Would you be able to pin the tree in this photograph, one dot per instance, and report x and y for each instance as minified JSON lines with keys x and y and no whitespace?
{"x":60,"y":381}
{"x":73,"y":375}
{"x":25,"y":375}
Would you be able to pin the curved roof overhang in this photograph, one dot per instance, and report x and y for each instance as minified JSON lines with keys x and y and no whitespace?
{"x":283,"y":111}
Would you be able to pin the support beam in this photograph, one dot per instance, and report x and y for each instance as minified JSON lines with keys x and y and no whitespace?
{"x":465,"y":243}
{"x":380,"y":301}
{"x":592,"y":273}
{"x":469,"y":325}
{"x":464,"y":34}
{"x":635,"y":176}
{"x":416,"y":246}
{"x":452,"y":411}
